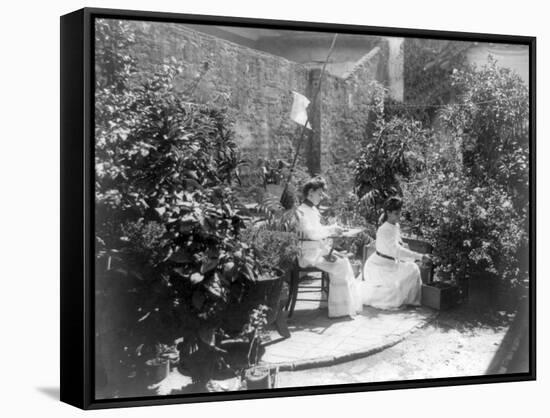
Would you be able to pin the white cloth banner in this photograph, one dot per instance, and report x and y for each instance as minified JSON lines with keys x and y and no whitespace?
{"x":298,"y":113}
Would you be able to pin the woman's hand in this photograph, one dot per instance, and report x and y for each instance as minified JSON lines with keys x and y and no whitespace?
{"x":426,"y":258}
{"x":337,"y":230}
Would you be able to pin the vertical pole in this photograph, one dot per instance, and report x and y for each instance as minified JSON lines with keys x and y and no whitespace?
{"x":313,"y":139}
{"x":287,"y":201}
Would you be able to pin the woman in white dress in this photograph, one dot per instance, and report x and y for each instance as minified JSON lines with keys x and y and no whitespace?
{"x":391,"y":276}
{"x":344,"y":297}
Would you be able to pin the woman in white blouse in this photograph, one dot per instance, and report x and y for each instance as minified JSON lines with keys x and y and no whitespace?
{"x":391,"y":276}
{"x":344,"y":298}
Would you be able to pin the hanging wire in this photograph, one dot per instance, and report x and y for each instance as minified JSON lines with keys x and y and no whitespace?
{"x":407,"y":105}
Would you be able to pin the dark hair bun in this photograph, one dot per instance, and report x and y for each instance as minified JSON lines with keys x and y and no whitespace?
{"x":313,"y":184}
{"x":393,"y":203}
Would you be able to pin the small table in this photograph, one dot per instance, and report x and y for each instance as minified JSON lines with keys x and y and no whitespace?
{"x":350,"y":233}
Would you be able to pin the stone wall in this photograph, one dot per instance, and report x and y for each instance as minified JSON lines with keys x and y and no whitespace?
{"x":255,"y":86}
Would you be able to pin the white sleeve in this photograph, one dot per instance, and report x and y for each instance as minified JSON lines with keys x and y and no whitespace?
{"x":390,"y":238}
{"x":404,"y":253}
{"x":311,"y":228}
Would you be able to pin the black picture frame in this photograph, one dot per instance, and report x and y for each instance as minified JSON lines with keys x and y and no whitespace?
{"x":77,"y":200}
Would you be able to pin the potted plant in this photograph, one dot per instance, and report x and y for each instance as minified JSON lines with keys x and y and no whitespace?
{"x":256,"y":376}
{"x":158,"y":367}
{"x":276,"y":251}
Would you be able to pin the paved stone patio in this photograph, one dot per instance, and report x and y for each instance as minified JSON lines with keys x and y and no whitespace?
{"x":317,"y":340}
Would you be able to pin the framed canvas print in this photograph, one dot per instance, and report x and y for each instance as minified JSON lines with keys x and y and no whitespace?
{"x":259,"y":208}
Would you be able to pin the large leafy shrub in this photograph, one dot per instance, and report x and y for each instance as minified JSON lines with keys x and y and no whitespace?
{"x":396,"y":152}
{"x":475,"y":230}
{"x":169,"y":252}
{"x":474,"y":205}
{"x":490,"y":121}
{"x":466,"y":186}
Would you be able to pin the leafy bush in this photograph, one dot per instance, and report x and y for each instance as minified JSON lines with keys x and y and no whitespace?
{"x":112,"y":60}
{"x":472,"y":201}
{"x":165,"y":210}
{"x":396,"y":152}
{"x":474,"y":230}
{"x":466,"y":187}
{"x":490,"y":121}
{"x":273,"y":248}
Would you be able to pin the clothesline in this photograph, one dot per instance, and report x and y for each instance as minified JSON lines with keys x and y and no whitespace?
{"x":406,"y":105}
{"x":446,"y":105}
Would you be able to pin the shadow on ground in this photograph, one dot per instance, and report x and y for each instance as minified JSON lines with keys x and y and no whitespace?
{"x":52,"y":392}
{"x":468,"y":317}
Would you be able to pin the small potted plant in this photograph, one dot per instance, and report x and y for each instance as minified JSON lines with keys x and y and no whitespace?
{"x":256,"y":376}
{"x":158,"y":367}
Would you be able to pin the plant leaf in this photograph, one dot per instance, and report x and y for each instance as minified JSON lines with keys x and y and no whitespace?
{"x":209,"y":265}
{"x":196,"y":278}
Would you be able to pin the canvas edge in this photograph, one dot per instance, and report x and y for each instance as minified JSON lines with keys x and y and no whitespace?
{"x":77,"y":215}
{"x":72,"y":327}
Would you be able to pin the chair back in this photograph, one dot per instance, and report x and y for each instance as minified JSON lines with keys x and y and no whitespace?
{"x":368,"y":250}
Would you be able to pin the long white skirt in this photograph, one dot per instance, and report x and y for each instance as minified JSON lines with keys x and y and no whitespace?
{"x":344,"y":298}
{"x":389,"y":284}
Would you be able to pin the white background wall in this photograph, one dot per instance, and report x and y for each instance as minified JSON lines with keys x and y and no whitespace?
{"x":29,"y":239}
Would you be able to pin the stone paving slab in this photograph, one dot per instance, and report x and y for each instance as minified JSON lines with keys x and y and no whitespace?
{"x":319,"y":341}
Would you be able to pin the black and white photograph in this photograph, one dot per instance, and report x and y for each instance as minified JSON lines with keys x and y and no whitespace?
{"x":275,"y":209}
{"x":292,"y":208}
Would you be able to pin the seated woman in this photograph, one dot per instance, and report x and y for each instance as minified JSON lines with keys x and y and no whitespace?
{"x":344,"y":298}
{"x":391,"y":277}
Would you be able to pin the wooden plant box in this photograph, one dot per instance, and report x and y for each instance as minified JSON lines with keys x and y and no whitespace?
{"x":439,"y":295}
{"x":418,"y":245}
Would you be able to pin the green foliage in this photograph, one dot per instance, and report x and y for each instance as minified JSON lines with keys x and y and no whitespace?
{"x":465,"y":188}
{"x":166,"y":214}
{"x":144,"y":241}
{"x":350,"y":210}
{"x":398,"y":151}
{"x":474,"y":230}
{"x":257,"y":320}
{"x":490,"y":120}
{"x":273,"y":248}
{"x":428,"y":69}
{"x":112,"y":60}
